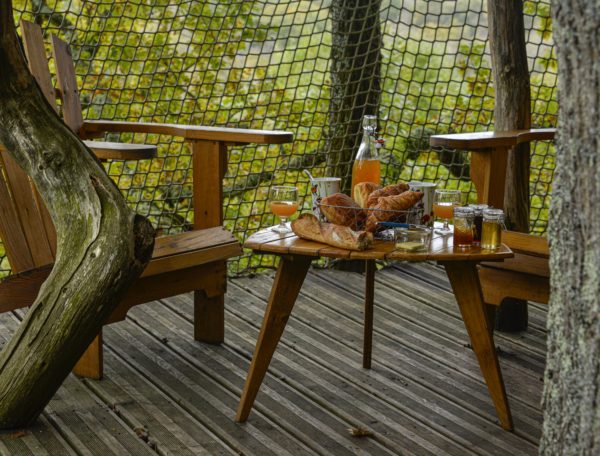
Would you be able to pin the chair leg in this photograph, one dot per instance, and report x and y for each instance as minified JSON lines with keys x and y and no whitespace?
{"x":209,"y":318}
{"x":467,"y":290}
{"x":368,"y":327}
{"x":91,"y":363}
{"x":288,"y":281}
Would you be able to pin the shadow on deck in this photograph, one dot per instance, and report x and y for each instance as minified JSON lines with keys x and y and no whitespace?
{"x":164,"y":393}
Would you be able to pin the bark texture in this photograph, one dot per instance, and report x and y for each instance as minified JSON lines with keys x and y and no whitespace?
{"x":571,"y":398}
{"x":512,"y":110}
{"x":355,"y":79}
{"x":102,"y":245}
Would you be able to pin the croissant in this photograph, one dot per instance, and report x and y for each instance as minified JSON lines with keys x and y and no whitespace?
{"x":362,"y":191}
{"x":390,"y":190}
{"x":390,"y":207}
{"x":342,"y":210}
{"x":308,"y":227}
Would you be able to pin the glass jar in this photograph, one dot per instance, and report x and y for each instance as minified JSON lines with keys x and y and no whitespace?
{"x":477,"y":221}
{"x":491,"y":232}
{"x":413,"y":238}
{"x":463,"y":226}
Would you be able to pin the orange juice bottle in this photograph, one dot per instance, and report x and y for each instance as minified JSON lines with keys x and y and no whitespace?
{"x":366,"y":167}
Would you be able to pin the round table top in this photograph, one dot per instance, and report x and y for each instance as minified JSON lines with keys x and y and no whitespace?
{"x":440,"y":249}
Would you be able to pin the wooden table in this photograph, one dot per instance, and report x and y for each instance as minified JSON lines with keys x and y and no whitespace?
{"x":296,"y":255}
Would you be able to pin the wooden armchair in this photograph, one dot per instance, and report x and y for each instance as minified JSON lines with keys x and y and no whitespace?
{"x":526,"y":276}
{"x":191,"y":261}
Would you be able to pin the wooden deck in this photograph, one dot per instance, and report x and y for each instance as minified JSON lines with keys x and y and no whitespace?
{"x":165,"y":394}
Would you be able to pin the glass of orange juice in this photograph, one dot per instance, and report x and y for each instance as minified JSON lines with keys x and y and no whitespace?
{"x":283,"y":202}
{"x":444,"y":202}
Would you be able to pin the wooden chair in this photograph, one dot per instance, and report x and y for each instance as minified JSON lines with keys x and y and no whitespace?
{"x":190,"y":261}
{"x":526,"y":276}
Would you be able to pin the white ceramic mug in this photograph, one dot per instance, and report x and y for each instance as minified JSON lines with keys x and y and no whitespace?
{"x":320,"y":187}
{"x":428,"y":189}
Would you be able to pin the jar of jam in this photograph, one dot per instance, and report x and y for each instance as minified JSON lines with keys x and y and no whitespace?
{"x":491,"y":232}
{"x":477,"y":221}
{"x":463,"y":226}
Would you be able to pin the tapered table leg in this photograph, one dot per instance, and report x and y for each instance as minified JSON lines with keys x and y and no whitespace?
{"x":368,"y":326}
{"x":288,"y":281}
{"x":467,"y":289}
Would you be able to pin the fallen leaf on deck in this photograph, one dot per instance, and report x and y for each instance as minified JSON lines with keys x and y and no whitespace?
{"x":17,"y":435}
{"x":359,"y":431}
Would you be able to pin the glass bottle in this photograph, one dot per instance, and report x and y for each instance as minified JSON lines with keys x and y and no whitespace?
{"x":366,"y":167}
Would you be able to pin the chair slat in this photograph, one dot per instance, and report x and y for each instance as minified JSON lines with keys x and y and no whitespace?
{"x":11,"y":230}
{"x":28,"y":211}
{"x":67,"y":82}
{"x":33,"y":42}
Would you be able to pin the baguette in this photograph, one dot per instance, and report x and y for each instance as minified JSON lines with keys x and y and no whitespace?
{"x":308,"y":227}
{"x":340,"y":209}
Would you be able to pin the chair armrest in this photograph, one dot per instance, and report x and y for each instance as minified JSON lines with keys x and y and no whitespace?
{"x":191,"y":132}
{"x":526,"y":243}
{"x":490,"y":139}
{"x":121,"y":151}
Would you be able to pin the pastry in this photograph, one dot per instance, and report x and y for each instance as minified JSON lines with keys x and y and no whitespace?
{"x":392,"y":208}
{"x":362,"y":191}
{"x":390,"y":190}
{"x":340,"y":209}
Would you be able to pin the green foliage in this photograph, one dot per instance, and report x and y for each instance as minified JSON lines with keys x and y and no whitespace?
{"x":265,"y":64}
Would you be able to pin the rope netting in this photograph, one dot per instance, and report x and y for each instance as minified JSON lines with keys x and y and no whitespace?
{"x":267,"y":64}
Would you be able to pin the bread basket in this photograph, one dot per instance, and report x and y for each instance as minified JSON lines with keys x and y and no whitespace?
{"x":372,"y":219}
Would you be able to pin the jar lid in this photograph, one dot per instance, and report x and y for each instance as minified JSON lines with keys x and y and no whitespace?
{"x":479,"y":208}
{"x":463,"y":211}
{"x":493,"y":213}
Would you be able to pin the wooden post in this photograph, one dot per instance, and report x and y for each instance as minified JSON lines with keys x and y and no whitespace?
{"x":512,"y":111}
{"x":210,"y":166}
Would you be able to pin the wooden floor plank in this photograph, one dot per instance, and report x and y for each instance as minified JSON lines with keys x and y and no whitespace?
{"x":246,"y":336}
{"x":445,"y":345}
{"x":164,"y":393}
{"x":434,"y":306}
{"x":82,"y":422}
{"x":436,"y":276}
{"x":430,"y":412}
{"x":304,"y":426}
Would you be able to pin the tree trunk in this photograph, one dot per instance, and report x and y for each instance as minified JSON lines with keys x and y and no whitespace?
{"x":355,"y":80}
{"x":571,"y":399}
{"x":512,"y":111}
{"x":102,"y":245}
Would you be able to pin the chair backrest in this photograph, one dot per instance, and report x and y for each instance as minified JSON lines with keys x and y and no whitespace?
{"x":33,"y":42}
{"x":26,"y":228}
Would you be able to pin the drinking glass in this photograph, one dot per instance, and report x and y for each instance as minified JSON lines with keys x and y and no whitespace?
{"x":444,"y":202}
{"x":283,"y":202}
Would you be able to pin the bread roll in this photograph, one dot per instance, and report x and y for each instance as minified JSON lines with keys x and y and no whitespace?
{"x":362,"y":192}
{"x":308,"y":227}
{"x":390,"y":190}
{"x":390,"y":208}
{"x":340,"y":209}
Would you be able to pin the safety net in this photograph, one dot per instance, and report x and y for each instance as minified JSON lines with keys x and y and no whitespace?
{"x":273,"y":64}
